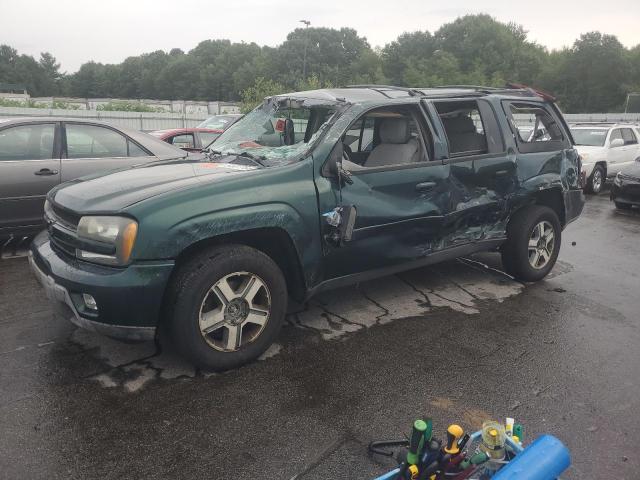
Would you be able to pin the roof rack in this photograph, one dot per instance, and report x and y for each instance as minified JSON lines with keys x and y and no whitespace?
{"x":381,"y":89}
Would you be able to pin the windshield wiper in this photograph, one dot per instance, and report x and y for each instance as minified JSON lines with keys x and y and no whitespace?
{"x":256,"y":158}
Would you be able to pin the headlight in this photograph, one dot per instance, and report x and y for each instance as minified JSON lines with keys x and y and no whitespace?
{"x":106,"y":240}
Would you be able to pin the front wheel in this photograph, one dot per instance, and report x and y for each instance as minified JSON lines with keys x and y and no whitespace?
{"x":533,"y":243}
{"x":227,"y":305}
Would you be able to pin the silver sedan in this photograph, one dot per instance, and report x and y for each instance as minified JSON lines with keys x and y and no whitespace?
{"x":36,"y":154}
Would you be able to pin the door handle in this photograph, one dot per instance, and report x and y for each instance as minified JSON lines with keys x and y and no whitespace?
{"x":45,"y":172}
{"x":424,"y":186}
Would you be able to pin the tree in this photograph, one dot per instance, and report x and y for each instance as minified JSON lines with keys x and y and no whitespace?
{"x":262,"y":88}
{"x":592,"y":74}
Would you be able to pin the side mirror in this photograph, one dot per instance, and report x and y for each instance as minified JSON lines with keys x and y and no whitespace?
{"x":616,"y":142}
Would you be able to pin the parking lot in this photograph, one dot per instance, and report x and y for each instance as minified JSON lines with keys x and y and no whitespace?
{"x":459,"y":341}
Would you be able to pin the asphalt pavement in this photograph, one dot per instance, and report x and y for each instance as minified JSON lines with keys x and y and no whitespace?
{"x":460,"y":342}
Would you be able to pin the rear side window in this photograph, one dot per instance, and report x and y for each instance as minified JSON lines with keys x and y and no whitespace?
{"x":27,"y":142}
{"x":135,"y":150}
{"x":471,"y":127}
{"x":629,"y":137}
{"x":93,"y":141}
{"x":535,"y":127}
{"x":616,"y":135}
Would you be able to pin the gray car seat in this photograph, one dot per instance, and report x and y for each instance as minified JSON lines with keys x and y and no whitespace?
{"x":396,"y":144}
{"x":463,"y":135}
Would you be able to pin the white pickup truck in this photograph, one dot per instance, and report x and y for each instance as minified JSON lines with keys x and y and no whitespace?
{"x":605,"y":148}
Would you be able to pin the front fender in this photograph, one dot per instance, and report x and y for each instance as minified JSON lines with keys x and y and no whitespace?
{"x":200,"y":227}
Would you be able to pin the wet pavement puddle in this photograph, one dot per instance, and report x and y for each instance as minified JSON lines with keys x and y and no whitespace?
{"x":460,"y":286}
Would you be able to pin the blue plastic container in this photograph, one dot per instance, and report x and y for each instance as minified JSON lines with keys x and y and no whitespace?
{"x":544,"y":459}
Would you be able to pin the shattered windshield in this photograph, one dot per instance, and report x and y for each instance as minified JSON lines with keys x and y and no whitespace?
{"x":279,"y":131}
{"x":593,"y":137}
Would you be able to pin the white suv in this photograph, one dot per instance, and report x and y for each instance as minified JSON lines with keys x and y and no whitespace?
{"x":605,"y":148}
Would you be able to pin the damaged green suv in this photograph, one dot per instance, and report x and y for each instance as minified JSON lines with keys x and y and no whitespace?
{"x":309,"y":191}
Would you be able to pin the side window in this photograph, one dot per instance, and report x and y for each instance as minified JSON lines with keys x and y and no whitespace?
{"x":629,"y":137}
{"x":183,"y":141}
{"x":135,"y":150}
{"x":464,"y":127}
{"x":385,"y":137}
{"x":533,"y":123}
{"x":27,"y":142}
{"x":616,"y":135}
{"x":358,"y":138}
{"x":93,"y":141}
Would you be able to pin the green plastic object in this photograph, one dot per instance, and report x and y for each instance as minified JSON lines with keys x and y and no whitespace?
{"x":416,"y":443}
{"x":428,"y":433}
{"x":518,"y":431}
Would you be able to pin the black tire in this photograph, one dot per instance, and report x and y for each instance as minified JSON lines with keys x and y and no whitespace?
{"x":515,"y":251}
{"x":597,"y":176}
{"x":195,"y":280}
{"x":622,"y":206}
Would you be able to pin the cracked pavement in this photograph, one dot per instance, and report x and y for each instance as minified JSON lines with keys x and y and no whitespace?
{"x":459,"y":341}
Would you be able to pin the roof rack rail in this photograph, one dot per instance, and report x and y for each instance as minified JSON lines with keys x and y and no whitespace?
{"x":381,"y":88}
{"x":468,"y":87}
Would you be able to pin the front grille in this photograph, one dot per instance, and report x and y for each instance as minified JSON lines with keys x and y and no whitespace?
{"x":61,"y":215}
{"x":62,"y":225}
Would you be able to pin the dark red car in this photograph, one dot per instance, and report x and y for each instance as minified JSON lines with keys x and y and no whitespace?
{"x":189,"y":139}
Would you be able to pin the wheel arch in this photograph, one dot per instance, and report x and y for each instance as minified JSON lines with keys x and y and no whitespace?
{"x":553,"y":199}
{"x":274,"y":242}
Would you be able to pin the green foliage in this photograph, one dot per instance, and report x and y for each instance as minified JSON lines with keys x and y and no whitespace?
{"x":29,"y":103}
{"x":255,"y":94}
{"x":595,"y":74}
{"x":126,"y":107}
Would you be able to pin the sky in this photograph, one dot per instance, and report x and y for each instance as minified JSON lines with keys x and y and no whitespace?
{"x":108,"y":31}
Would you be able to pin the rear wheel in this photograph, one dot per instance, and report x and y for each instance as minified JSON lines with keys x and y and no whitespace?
{"x":227,"y":306}
{"x":596,"y":180}
{"x":533,"y":243}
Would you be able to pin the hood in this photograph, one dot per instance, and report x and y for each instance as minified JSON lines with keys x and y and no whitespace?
{"x":590,"y":152}
{"x":114,"y":191}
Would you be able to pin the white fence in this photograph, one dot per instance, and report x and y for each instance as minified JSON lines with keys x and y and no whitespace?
{"x":588,"y":117}
{"x":156,"y":121}
{"x":139,"y":120}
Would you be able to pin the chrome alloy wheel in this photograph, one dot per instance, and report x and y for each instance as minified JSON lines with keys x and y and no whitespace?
{"x":596,"y":181}
{"x":235,"y":311}
{"x":541,"y":244}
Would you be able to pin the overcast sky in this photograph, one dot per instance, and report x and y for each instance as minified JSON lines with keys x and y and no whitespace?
{"x":108,"y":31}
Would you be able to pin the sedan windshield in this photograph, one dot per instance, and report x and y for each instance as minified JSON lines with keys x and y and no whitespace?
{"x":219,"y":122}
{"x":592,"y":137}
{"x":279,"y":131}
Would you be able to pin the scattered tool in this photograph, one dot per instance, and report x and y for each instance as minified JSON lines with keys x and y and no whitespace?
{"x":494,"y":452}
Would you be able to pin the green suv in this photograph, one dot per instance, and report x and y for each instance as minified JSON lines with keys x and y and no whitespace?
{"x":310,"y":191}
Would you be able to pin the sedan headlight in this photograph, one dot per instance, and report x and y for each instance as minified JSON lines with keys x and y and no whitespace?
{"x":106,"y":240}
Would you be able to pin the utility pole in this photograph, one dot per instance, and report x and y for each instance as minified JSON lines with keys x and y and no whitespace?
{"x":306,"y":41}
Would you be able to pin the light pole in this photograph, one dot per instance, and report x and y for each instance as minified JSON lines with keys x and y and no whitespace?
{"x":306,"y":41}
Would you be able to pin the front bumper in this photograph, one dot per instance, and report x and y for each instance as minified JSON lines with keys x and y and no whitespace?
{"x":129,"y":299}
{"x":626,"y":191}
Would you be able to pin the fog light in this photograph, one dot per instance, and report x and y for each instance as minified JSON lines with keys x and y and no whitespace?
{"x":90,"y":302}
